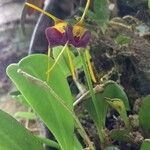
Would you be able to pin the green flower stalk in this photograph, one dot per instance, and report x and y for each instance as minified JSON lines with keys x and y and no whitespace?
{"x":92,"y":93}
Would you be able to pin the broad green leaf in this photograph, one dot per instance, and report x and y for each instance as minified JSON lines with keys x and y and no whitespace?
{"x":77,"y":145}
{"x":25,"y":115}
{"x":59,"y":121}
{"x":13,"y":136}
{"x":77,"y":62}
{"x":145,"y":145}
{"x":149,"y":4}
{"x":110,"y":90}
{"x":144,"y":115}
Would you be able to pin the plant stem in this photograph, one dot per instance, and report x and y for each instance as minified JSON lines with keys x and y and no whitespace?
{"x":48,"y":142}
{"x":84,"y":134}
{"x":86,"y":95}
{"x":87,"y":75}
{"x":80,"y":86}
{"x":71,"y":65}
{"x":91,"y":91}
{"x":57,"y":59}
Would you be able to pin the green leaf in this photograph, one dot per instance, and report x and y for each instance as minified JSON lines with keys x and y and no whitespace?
{"x":144,"y":115}
{"x":119,"y":106}
{"x":25,"y":115}
{"x":111,"y":148}
{"x":77,"y":62}
{"x":14,"y":136}
{"x":145,"y":145}
{"x":121,"y":135}
{"x":111,"y":90}
{"x":149,"y":4}
{"x":101,"y":12}
{"x":122,"y":40}
{"x":59,"y":121}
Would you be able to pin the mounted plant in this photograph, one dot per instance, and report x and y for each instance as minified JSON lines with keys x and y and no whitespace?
{"x":50,"y":106}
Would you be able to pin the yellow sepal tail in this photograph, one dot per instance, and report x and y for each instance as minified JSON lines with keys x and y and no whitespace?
{"x":71,"y":65}
{"x":87,"y":55}
{"x":57,"y":59}
{"x":48,"y":63}
{"x":56,"y":20}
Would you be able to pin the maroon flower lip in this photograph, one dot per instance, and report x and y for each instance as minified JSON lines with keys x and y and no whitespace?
{"x":56,"y":37}
{"x":77,"y":40}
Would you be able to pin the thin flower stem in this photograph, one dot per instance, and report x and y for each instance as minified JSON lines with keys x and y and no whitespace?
{"x":71,"y":65}
{"x":87,"y":74}
{"x":85,"y":11}
{"x":91,"y":91}
{"x":48,"y":65}
{"x":57,"y":59}
{"x":56,"y":20}
{"x":80,"y":86}
{"x":84,"y":134}
{"x":48,"y":142}
{"x":81,"y":98}
{"x":48,"y":89}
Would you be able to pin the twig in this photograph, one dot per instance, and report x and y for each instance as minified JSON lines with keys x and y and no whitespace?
{"x":86,"y":95}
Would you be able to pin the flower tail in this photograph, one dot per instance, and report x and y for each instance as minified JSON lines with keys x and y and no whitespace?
{"x":71,"y":65}
{"x":57,"y":59}
{"x":56,"y":20}
{"x":48,"y":63}
{"x":85,"y":11}
{"x":87,"y":55}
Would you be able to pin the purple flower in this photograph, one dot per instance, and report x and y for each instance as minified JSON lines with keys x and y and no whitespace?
{"x":77,"y":36}
{"x":56,"y":34}
{"x":62,"y":33}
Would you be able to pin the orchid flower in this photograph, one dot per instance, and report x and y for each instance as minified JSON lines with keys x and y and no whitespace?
{"x":61,"y":33}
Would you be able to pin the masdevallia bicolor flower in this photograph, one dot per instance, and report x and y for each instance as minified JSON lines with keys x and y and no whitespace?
{"x":62,"y":33}
{"x":59,"y":34}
